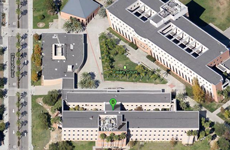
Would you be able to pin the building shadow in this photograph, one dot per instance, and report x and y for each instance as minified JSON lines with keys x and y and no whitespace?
{"x":195,"y":12}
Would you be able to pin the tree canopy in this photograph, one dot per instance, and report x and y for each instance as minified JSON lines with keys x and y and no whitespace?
{"x":44,"y":121}
{"x":198,"y":93}
{"x":219,"y":129}
{"x":223,"y":143}
{"x":64,"y":145}
{"x":51,"y":98}
{"x":73,"y":25}
{"x":87,"y":81}
{"x":102,"y":12}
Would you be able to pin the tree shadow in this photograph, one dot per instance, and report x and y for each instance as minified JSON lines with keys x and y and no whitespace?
{"x":195,"y":12}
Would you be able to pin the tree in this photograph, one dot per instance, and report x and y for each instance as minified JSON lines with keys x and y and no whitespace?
{"x":120,"y":49}
{"x":198,"y":93}
{"x":1,"y":93}
{"x":18,"y":45}
{"x":139,"y":108}
{"x":57,"y":106}
{"x":36,"y":37}
{"x":72,"y":25}
{"x":18,"y":62}
{"x":226,"y":114}
{"x":109,"y":2}
{"x":132,"y":143}
{"x":87,"y":81}
{"x":2,"y":126}
{"x":43,"y":121}
{"x":34,"y":76}
{"x":123,"y":136}
{"x":18,"y":2}
{"x":51,"y":98}
{"x":112,"y":137}
{"x":55,"y":120}
{"x":202,"y":134}
{"x":18,"y":36}
{"x":223,"y":143}
{"x":180,"y":96}
{"x":222,"y":110}
{"x":2,"y":66}
{"x":81,"y":109}
{"x":102,"y":12}
{"x":197,"y":107}
{"x":227,"y":135}
{"x":117,"y":138}
{"x":50,"y":5}
{"x":108,"y":139}
{"x":2,"y":82}
{"x":18,"y":133}
{"x":173,"y":142}
{"x":219,"y":129}
{"x":189,"y":133}
{"x":207,"y":131}
{"x":18,"y":114}
{"x":18,"y":11}
{"x":1,"y":51}
{"x":103,"y":137}
{"x":18,"y":123}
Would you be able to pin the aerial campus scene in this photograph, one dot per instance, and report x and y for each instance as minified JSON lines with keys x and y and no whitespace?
{"x":115,"y":75}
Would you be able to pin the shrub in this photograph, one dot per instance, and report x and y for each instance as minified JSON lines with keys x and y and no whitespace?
{"x":223,"y":143}
{"x":1,"y":51}
{"x":37,"y":37}
{"x":173,"y":142}
{"x":134,"y":46}
{"x":219,"y":129}
{"x":102,"y":12}
{"x":41,"y":17}
{"x":51,"y":98}
{"x":2,"y":66}
{"x":151,"y":58}
{"x":156,"y":109}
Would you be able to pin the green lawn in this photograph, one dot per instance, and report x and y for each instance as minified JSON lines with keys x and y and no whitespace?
{"x":213,"y":11}
{"x":201,"y":145}
{"x":40,"y":137}
{"x":39,"y":9}
{"x":83,"y":145}
{"x":212,"y":106}
{"x":120,"y":61}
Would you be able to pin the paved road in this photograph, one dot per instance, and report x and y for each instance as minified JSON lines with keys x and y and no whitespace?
{"x":12,"y":81}
{"x":12,"y":120}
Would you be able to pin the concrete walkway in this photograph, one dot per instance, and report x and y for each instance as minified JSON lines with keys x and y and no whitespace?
{"x":210,"y":115}
{"x":224,"y":106}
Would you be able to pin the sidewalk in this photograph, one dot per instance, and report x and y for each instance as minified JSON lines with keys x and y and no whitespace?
{"x":224,"y":106}
{"x":209,"y":115}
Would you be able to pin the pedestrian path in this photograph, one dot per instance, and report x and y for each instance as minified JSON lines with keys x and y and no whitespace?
{"x":224,"y":106}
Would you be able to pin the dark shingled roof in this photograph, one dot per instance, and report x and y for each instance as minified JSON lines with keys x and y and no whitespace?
{"x":54,"y":69}
{"x":80,"y":8}
{"x":148,"y":31}
{"x":124,"y":97}
{"x":140,"y":119}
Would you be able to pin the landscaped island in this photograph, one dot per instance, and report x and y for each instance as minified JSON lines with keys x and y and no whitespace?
{"x":118,"y":67}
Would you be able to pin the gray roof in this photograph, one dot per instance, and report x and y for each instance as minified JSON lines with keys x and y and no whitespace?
{"x":199,"y":64}
{"x":54,"y":69}
{"x":68,"y":83}
{"x":124,"y":97}
{"x":227,"y":63}
{"x":140,"y":119}
{"x":80,"y":8}
{"x":156,"y":18}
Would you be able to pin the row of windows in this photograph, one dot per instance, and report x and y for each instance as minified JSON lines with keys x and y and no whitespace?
{"x":81,"y":139}
{"x":158,"y":130}
{"x":81,"y":130}
{"x":81,"y":135}
{"x":149,"y":105}
{"x":85,"y":105}
{"x":155,"y":135}
{"x":154,"y":139}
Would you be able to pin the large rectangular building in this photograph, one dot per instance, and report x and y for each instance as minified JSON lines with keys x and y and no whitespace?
{"x":141,"y":125}
{"x":161,"y":30}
